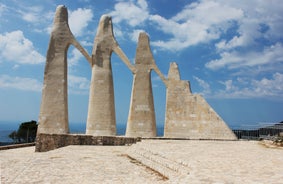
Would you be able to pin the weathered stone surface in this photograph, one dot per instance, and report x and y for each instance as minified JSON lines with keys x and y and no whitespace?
{"x":47,"y":142}
{"x":141,"y":119}
{"x":189,"y":115}
{"x":101,"y":110}
{"x":53,"y":117}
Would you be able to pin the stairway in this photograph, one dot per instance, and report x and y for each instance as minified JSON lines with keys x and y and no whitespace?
{"x":172,"y":169}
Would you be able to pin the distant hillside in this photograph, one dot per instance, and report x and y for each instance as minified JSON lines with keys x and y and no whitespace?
{"x":271,"y":130}
{"x":277,"y":125}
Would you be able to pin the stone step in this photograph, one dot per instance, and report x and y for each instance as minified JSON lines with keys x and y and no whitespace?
{"x":159,"y":162}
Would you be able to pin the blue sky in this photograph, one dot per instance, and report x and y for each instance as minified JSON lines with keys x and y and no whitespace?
{"x":230,"y":51}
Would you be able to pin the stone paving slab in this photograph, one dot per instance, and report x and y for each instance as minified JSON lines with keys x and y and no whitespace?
{"x":220,"y":161}
{"x":205,"y":162}
{"x":73,"y":164}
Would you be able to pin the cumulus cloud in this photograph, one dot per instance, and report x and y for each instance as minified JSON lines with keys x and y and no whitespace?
{"x":79,"y":20}
{"x":205,"y":21}
{"x":197,"y":23}
{"x":20,"y":83}
{"x":229,"y":85}
{"x":14,"y":47}
{"x":2,"y":8}
{"x":204,"y":85}
{"x":235,"y":59}
{"x":269,"y":87}
{"x":256,"y":41}
{"x":74,"y":56}
{"x":36,"y":15}
{"x":258,"y":20}
{"x":78,"y":85}
{"x":135,"y":34}
{"x":132,"y":13}
{"x":239,"y":88}
{"x":118,"y":33}
{"x":32,"y":14}
{"x":86,"y":43}
{"x":208,"y":12}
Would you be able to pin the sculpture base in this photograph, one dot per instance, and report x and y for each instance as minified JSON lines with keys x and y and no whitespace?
{"x":47,"y":142}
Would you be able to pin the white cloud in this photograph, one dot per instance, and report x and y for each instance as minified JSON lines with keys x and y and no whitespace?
{"x":2,"y":9}
{"x":79,"y":20}
{"x":209,"y":12}
{"x":236,"y":41}
{"x":229,"y":85}
{"x":86,"y":43}
{"x":204,"y":21}
{"x":78,"y":85}
{"x":20,"y":83}
{"x":258,"y":14}
{"x":196,"y":23}
{"x":16,"y":48}
{"x":235,"y":59}
{"x":271,"y":87}
{"x":205,"y":86}
{"x":133,"y":13}
{"x":74,"y":56}
{"x":36,"y":15}
{"x":142,"y":4}
{"x":32,"y":14}
{"x":135,"y":35}
{"x":256,"y":43}
{"x":118,"y":33}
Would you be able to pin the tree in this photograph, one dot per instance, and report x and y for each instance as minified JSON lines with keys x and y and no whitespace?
{"x":26,"y":132}
{"x":14,"y":136}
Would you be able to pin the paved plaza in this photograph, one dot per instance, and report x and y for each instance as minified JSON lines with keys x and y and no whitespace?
{"x":149,"y":161}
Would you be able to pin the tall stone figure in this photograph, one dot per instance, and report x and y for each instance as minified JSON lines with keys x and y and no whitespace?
{"x":101,"y":110}
{"x":53,"y":117}
{"x":141,"y":119}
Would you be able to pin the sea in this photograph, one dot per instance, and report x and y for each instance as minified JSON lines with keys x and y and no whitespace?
{"x":77,"y":128}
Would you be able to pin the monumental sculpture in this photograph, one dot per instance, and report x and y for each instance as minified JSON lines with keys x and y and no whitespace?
{"x":101,"y":110}
{"x":141,"y":119}
{"x":187,"y":115}
{"x":53,"y":116}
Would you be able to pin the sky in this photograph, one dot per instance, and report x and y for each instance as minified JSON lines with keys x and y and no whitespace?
{"x":230,"y":51}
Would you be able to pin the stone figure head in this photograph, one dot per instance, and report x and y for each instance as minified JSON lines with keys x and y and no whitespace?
{"x":61,"y":15}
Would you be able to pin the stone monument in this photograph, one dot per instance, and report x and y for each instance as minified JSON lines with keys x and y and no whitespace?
{"x":141,"y":119}
{"x":189,"y":115}
{"x":53,"y":117}
{"x":101,"y":109}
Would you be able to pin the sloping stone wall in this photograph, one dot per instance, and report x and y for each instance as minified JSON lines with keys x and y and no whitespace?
{"x":189,"y":115}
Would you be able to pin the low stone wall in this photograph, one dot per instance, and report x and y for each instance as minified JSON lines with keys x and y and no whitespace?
{"x":13,"y":146}
{"x":47,"y":142}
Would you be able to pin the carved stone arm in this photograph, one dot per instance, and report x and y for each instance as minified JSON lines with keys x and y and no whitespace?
{"x":82,"y":50}
{"x":123,"y":57}
{"x":162,"y":77}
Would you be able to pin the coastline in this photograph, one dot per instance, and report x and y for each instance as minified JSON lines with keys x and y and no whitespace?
{"x":76,"y":128}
